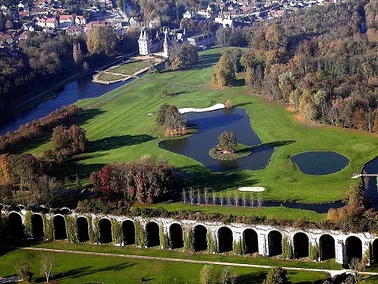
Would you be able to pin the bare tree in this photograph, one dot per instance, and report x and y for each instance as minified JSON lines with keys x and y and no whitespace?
{"x":214,"y":198}
{"x":221,"y":199}
{"x":198,"y":196}
{"x":236,"y":196}
{"x":259,"y":200}
{"x":252,"y":200}
{"x":244,"y":200}
{"x":206,"y":196}
{"x":191,"y":196}
{"x":229,"y":199}
{"x":47,"y":266}
{"x":184,"y":195}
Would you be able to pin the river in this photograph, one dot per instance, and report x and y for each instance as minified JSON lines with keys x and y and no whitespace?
{"x":80,"y":89}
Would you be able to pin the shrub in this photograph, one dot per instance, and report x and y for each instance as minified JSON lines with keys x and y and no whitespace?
{"x":28,"y":226}
{"x":72,"y":234}
{"x":287,"y":250}
{"x":140,"y":235}
{"x":228,"y":104}
{"x":163,"y":237}
{"x":314,"y":251}
{"x":48,"y":227}
{"x":189,"y":240}
{"x":206,"y":274}
{"x":277,"y":275}
{"x":117,"y":232}
{"x":24,"y":271}
{"x":212,"y":245}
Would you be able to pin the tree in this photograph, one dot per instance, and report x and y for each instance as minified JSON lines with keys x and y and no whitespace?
{"x":102,"y":40}
{"x":24,"y":270}
{"x":276,"y":275}
{"x":184,"y":57}
{"x":160,"y":114}
{"x":206,"y":274}
{"x":227,"y":276}
{"x":174,"y":120}
{"x":77,"y":54}
{"x":224,"y":71}
{"x":223,"y":35}
{"x":67,"y":142}
{"x":47,"y":266}
{"x":227,"y":142}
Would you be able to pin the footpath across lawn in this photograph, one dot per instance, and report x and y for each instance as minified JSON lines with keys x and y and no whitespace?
{"x":112,"y":269}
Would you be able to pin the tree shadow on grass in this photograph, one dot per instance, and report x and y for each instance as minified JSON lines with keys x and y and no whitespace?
{"x":273,"y":144}
{"x":251,"y":278}
{"x":114,"y":142}
{"x":87,"y":270}
{"x":201,"y":177}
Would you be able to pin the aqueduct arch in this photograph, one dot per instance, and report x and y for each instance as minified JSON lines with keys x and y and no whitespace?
{"x":152,"y":230}
{"x":37,"y":226}
{"x":60,"y":232}
{"x":105,"y":227}
{"x":251,"y":243}
{"x":225,"y":239}
{"x":200,"y":242}
{"x":15,"y":227}
{"x":175,"y":236}
{"x":327,"y":247}
{"x":128,"y":229}
{"x":274,"y":243}
{"x":82,"y":229}
{"x":301,"y":245}
{"x":353,"y":248}
{"x":374,"y":251}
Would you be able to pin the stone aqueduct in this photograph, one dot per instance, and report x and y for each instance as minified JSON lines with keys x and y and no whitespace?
{"x":261,"y":239}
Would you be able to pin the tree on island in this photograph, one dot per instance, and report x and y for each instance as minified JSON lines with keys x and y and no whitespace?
{"x":227,"y":142}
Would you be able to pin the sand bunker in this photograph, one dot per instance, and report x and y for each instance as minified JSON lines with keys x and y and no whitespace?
{"x":252,"y":188}
{"x":189,"y":109}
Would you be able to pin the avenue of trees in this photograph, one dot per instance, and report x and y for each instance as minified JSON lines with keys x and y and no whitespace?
{"x":147,"y":181}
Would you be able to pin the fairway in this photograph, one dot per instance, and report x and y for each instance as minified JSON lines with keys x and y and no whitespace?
{"x":121,"y":127}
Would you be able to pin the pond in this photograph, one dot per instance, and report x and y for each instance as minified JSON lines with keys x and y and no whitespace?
{"x":370,"y":183}
{"x":320,"y":162}
{"x":211,"y":125}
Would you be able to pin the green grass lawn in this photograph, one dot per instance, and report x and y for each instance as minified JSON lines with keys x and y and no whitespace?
{"x":112,"y":269}
{"x":131,"y":67}
{"x":109,"y":77}
{"x":121,"y":127}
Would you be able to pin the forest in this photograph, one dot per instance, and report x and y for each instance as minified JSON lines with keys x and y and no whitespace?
{"x":326,"y":74}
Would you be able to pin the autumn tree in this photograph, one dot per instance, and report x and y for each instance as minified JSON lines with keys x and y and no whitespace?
{"x":227,"y":142}
{"x":68,"y":141}
{"x":185,"y":56}
{"x":146,"y":181}
{"x":102,"y":40}
{"x":224,"y":71}
{"x":175,"y":121}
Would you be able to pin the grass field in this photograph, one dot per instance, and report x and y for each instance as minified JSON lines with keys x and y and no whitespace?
{"x":112,"y":269}
{"x":109,"y":77}
{"x":131,"y":67}
{"x":121,"y":127}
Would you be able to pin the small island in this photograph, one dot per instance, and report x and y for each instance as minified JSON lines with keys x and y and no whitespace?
{"x":228,"y":148}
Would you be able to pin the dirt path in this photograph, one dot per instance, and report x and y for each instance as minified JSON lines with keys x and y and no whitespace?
{"x":329,"y":271}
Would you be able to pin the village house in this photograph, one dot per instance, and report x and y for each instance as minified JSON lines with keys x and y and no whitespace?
{"x":74,"y":31}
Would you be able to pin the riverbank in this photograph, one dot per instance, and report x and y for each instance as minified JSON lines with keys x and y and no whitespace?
{"x":55,"y":90}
